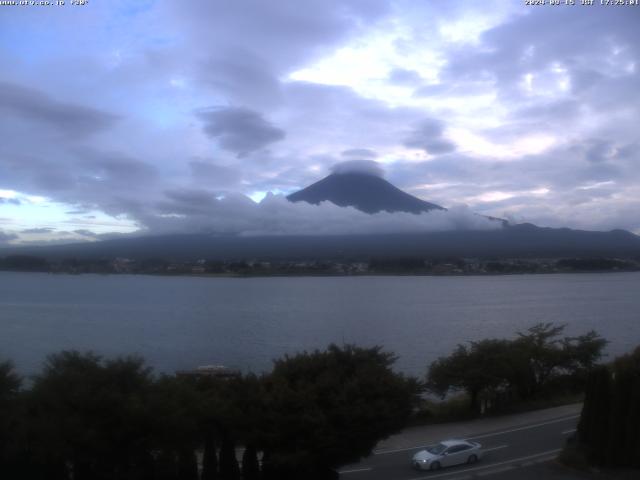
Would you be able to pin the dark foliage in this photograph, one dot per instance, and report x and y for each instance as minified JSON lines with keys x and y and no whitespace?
{"x":24,"y":263}
{"x":395,"y":265}
{"x":209,"y":458}
{"x":90,"y":415}
{"x":326,"y":409}
{"x":593,"y":264}
{"x":187,"y":464}
{"x":10,"y":410}
{"x":609,"y":428}
{"x":89,"y":418}
{"x":250,"y":464}
{"x":229,"y":469}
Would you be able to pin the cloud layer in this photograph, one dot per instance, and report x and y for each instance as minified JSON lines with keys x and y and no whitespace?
{"x":239,"y":130}
{"x":525,"y":113}
{"x":275,"y":215}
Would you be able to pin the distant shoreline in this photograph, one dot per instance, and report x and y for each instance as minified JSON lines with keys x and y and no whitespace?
{"x":326,"y":275}
{"x":394,"y":266}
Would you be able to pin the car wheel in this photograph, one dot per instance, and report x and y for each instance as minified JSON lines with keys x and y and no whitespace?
{"x":435,"y":466}
{"x":472,"y":459}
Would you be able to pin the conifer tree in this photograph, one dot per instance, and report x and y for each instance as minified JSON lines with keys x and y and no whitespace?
{"x":210,"y":458}
{"x":229,"y":469}
{"x":250,"y":465}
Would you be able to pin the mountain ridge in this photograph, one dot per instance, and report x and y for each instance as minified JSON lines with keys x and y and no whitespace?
{"x":524,"y":241}
{"x":371,"y":194}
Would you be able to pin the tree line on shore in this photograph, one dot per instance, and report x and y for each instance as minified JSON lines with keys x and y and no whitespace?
{"x":537,"y":363}
{"x":376,"y":266}
{"x":86,"y":417}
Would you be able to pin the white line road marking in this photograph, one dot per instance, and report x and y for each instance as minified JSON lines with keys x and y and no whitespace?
{"x":563,"y":419}
{"x":513,"y":460}
{"x":527,"y":427}
{"x":543,"y":459}
{"x":494,"y":448}
{"x":484,"y":450}
{"x":355,"y":470}
{"x":384,"y":452}
{"x":566,"y":432}
{"x":506,"y":468}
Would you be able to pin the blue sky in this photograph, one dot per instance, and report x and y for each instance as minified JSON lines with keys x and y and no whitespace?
{"x":159,"y":116}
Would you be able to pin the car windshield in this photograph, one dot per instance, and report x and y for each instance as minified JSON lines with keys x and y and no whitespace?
{"x":437,"y":449}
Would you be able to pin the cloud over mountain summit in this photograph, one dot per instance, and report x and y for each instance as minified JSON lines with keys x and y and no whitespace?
{"x":500,"y":107}
{"x":275,"y":215}
{"x":368,"y":167}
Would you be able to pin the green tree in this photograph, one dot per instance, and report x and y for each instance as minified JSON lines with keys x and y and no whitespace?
{"x":221,"y":420}
{"x":593,"y":427}
{"x":549,"y":356}
{"x":209,"y":458}
{"x":328,"y":408}
{"x":91,"y":415}
{"x":11,"y":421}
{"x":229,"y":469}
{"x":481,"y":367}
{"x":583,"y":352}
{"x":247,"y":396}
{"x":541,"y":346}
{"x":520,"y":369}
{"x":608,"y":431}
{"x":176,"y":405}
{"x":250,"y":464}
{"x":187,"y":464}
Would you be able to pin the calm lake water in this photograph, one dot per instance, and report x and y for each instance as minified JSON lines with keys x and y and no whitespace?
{"x":183,"y":322}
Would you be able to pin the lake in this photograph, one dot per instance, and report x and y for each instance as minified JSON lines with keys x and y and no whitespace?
{"x":183,"y":322}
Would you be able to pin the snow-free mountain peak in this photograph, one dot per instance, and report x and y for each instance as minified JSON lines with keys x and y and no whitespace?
{"x":363,"y":190}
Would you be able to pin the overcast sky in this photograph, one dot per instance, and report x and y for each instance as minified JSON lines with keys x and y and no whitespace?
{"x":158,"y":116}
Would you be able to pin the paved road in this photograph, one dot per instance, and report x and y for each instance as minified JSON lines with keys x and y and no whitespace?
{"x":513,"y":445}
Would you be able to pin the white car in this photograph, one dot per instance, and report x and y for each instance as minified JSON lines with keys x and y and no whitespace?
{"x":447,"y":453}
